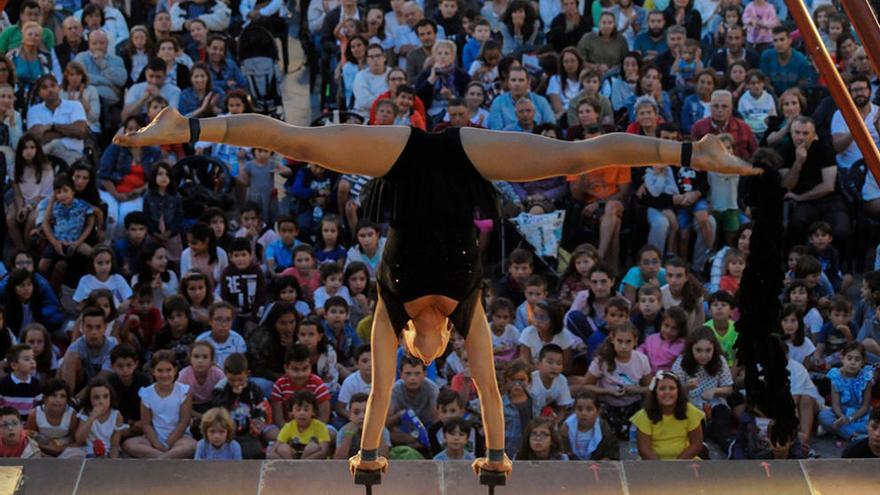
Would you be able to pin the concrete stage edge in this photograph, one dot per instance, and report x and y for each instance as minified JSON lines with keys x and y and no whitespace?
{"x":135,"y":477}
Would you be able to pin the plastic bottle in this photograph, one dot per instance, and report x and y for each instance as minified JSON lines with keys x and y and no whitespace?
{"x":633,"y":439}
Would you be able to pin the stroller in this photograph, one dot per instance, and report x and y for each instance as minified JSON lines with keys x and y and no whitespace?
{"x":258,"y":57}
{"x":203,"y":182}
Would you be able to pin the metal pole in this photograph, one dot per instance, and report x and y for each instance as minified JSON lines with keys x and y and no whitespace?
{"x":864,"y":20}
{"x":815,"y":49}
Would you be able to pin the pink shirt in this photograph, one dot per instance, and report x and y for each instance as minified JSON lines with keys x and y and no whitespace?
{"x":766,"y":18}
{"x":661,"y":354}
{"x":201,"y":392}
{"x":624,"y":374}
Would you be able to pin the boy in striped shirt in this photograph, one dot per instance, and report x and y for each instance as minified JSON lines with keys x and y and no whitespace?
{"x":20,"y":389}
{"x":298,"y":376}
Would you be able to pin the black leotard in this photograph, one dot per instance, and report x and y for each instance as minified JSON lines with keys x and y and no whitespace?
{"x":431,"y":193}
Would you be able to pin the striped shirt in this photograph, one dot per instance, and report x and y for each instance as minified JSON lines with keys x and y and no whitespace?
{"x":284,"y":389}
{"x":21,"y":395}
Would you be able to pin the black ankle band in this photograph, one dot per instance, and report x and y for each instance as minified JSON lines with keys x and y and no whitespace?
{"x":369,"y":455}
{"x":194,"y":130}
{"x":687,"y":148}
{"x":496,"y":455}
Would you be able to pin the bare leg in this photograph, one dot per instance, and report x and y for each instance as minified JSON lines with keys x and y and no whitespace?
{"x":705,"y":226}
{"x":492,"y":153}
{"x":673,"y":231}
{"x":141,"y":448}
{"x":14,"y":229}
{"x":183,"y":448}
{"x":482,"y":365}
{"x":384,"y":347}
{"x":609,"y":232}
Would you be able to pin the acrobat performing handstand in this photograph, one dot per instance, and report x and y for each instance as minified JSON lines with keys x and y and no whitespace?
{"x":430,"y":185}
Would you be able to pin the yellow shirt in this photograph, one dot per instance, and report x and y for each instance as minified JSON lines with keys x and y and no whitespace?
{"x":316,"y":431}
{"x":669,"y":437}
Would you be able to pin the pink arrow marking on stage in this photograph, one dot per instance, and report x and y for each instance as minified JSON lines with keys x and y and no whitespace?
{"x":595,"y":469}
{"x":696,"y":468}
{"x":766,"y":467}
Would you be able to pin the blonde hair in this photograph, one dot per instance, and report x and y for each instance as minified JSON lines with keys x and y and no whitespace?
{"x":218,"y":416}
{"x":446,"y":43}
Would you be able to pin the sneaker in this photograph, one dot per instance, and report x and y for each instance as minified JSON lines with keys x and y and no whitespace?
{"x":812,"y":454}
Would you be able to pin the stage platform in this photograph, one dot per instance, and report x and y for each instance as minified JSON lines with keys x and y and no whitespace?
{"x":133,"y":477}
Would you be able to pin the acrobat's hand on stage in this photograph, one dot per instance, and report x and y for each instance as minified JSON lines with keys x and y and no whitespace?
{"x":710,"y":155}
{"x":355,"y":463}
{"x":169,"y":127}
{"x":483,"y":464}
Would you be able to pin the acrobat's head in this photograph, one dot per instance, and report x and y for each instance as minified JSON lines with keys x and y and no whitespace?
{"x":427,"y":334}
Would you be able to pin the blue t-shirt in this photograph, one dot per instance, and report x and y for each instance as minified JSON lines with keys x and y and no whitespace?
{"x":634,"y":278}
{"x":70,"y":221}
{"x":234,"y":343}
{"x":833,"y":338}
{"x":643,"y":43}
{"x":281,"y":254}
{"x":230,"y":451}
{"x":94,"y":361}
{"x":443,"y":456}
{"x":786,"y":76}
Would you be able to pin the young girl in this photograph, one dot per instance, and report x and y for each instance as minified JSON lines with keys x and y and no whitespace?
{"x":684,"y":290}
{"x":519,"y":405}
{"x":454,"y":362}
{"x":618,"y":375}
{"x":801,"y":295}
{"x":164,"y":208}
{"x":23,"y":297}
{"x":735,"y":82}
{"x":576,"y":276}
{"x":548,"y":329}
{"x":331,"y":285}
{"x":45,"y":354}
{"x":668,"y":427}
{"x":585,"y":435}
{"x":75,"y":87}
{"x":734,"y":267}
{"x":356,"y":277}
{"x":203,"y":253}
{"x":237,"y":101}
{"x":31,"y":183}
{"x":198,"y":291}
{"x":85,"y":188}
{"x":217,"y":220}
{"x":154,"y":267}
{"x":101,"y":276}
{"x":166,"y":408}
{"x":505,"y":336}
{"x":285,"y":289}
{"x":759,"y":18}
{"x":475,"y":97}
{"x":800,"y":348}
{"x":648,"y":271}
{"x":329,"y":246}
{"x":54,"y":421}
{"x":218,"y":437}
{"x":100,"y":423}
{"x":541,"y":442}
{"x":850,"y":395}
{"x":369,"y":247}
{"x":137,"y":51}
{"x":321,"y":355}
{"x":201,"y":375}
{"x":705,"y":374}
{"x":592,"y":303}
{"x":304,"y":270}
{"x":179,"y":331}
{"x":484,"y":69}
{"x":665,"y":347}
{"x":257,"y":176}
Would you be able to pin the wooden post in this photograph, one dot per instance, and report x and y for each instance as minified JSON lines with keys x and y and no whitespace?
{"x":815,"y":49}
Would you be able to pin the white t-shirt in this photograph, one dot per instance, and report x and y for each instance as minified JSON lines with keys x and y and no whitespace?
{"x":115,"y":284}
{"x":801,"y":384}
{"x":852,"y":153}
{"x":354,"y":384}
{"x":813,"y":320}
{"x":510,"y":337}
{"x":801,"y":352}
{"x":530,"y":338}
{"x":572,"y":89}
{"x":321,"y":296}
{"x":165,"y":410}
{"x":234,"y":343}
{"x":756,"y":110}
{"x":67,"y":112}
{"x":558,"y":391}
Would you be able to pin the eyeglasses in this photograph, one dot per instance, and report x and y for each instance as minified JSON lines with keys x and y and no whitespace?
{"x":10,"y":424}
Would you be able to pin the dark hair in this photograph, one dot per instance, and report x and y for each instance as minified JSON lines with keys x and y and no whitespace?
{"x":460,"y":424}
{"x":807,"y":265}
{"x":54,"y":385}
{"x":585,"y":249}
{"x":44,"y":360}
{"x":300,"y":398}
{"x":841,"y":304}
{"x":90,"y":194}
{"x":250,"y":206}
{"x":162,"y":165}
{"x":176,"y":304}
{"x":425,"y":22}
{"x":412,"y":361}
{"x":240,"y":244}
{"x":123,"y":351}
{"x":9,"y":411}
{"x":587,"y":395}
{"x":284,"y":282}
{"x":15,"y":351}
{"x":98,"y":294}
{"x":521,"y":256}
{"x":525,"y":450}
{"x":92,"y":9}
{"x":854,"y":346}
{"x":549,"y":348}
{"x":800,"y":334}
{"x":87,"y":394}
{"x":62,"y":180}
{"x":99,"y":249}
{"x":618,"y":303}
{"x":146,"y":253}
{"x":235,"y":364}
{"x":238,"y":94}
{"x":361,"y":350}
{"x":591,"y":297}
{"x":357,"y":398}
{"x":799,"y":284}
{"x":203,"y":232}
{"x":500,"y":304}
{"x":157,"y":64}
{"x":296,"y":353}
{"x":14,"y":312}
{"x":353,"y":268}
{"x":335,"y":301}
{"x":328,"y":269}
{"x":556,"y":312}
{"x":287,"y":219}
{"x":606,"y":353}
{"x":689,"y":363}
{"x":195,"y":276}
{"x":692,"y":290}
{"x":529,"y":22}
{"x":39,"y":160}
{"x":875,"y":415}
{"x":136,"y":218}
{"x":722,"y":296}
{"x":680,"y":318}
{"x":536,"y":280}
{"x":448,"y":396}
{"x":652,"y":405}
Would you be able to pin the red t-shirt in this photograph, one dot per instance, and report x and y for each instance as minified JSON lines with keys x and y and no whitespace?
{"x":14,"y":450}
{"x":284,"y":389}
{"x":134,"y":180}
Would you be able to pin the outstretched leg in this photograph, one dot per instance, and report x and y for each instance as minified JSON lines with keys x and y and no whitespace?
{"x":383,"y":342}
{"x":492,"y":153}
{"x":343,"y":148}
{"x":482,"y":365}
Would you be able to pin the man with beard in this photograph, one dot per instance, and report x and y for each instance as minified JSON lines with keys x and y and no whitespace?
{"x":809,"y":174}
{"x":848,"y":152}
{"x":652,"y":41}
{"x":735,"y":49}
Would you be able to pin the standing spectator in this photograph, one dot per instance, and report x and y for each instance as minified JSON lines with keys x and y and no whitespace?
{"x":106,"y":70}
{"x":630,"y":19}
{"x":785,"y":66}
{"x":60,"y":125}
{"x":333,"y":20}
{"x":214,"y":13}
{"x":722,"y":121}
{"x":502,"y":113}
